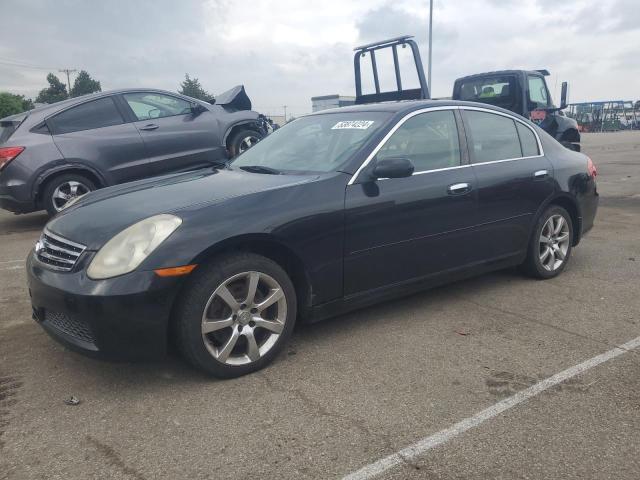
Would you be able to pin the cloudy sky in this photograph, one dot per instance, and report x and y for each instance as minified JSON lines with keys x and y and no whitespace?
{"x":286,"y":51}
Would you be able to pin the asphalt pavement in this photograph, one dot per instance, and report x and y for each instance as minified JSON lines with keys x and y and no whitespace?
{"x":432,"y":376}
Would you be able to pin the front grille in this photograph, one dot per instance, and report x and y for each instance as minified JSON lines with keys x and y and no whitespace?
{"x":57,"y":252}
{"x":72,"y":327}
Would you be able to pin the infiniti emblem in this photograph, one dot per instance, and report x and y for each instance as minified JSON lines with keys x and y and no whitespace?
{"x":39,"y":246}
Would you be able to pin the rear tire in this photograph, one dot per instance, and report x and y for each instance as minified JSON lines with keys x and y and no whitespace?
{"x":550,"y":244}
{"x":243,"y":140}
{"x":224,"y":329}
{"x":63,"y":188}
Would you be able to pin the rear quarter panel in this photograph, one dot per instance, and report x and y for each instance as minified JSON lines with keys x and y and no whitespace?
{"x":21,"y":176}
{"x":572,"y":178}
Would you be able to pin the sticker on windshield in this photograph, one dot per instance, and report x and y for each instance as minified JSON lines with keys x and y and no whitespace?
{"x":357,"y":124}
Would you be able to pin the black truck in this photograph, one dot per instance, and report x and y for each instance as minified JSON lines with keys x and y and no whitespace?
{"x":522,"y":91}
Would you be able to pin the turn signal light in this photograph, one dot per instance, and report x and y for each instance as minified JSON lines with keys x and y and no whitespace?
{"x":9,"y":153}
{"x":175,"y":271}
{"x":591,"y":168}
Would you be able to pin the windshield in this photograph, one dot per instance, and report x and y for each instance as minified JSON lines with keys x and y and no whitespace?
{"x":496,"y":90}
{"x":317,"y":143}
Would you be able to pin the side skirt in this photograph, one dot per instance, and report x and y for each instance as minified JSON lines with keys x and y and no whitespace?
{"x":344,"y":305}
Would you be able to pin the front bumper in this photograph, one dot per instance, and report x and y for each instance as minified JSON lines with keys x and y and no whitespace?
{"x":122,"y":318}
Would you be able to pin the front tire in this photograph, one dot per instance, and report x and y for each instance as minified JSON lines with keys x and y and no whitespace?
{"x":550,"y":244}
{"x":243,"y":140}
{"x":236,"y":314}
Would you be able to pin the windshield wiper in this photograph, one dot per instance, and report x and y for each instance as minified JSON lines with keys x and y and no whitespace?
{"x":260,"y":169}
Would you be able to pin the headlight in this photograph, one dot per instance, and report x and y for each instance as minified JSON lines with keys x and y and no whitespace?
{"x":128,"y":249}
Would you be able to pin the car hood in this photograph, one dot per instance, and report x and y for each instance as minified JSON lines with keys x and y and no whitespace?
{"x":96,"y":218}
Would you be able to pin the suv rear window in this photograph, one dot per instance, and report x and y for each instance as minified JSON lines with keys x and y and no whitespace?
{"x":10,"y":125}
{"x":95,"y":114}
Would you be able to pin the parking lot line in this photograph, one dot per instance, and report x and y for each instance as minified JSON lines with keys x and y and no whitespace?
{"x":7,"y":262}
{"x":411,"y":452}
{"x":14,"y":267}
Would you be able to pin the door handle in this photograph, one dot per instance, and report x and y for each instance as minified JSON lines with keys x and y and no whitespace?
{"x":151,"y":126}
{"x":458,"y":188}
{"x":540,"y":174}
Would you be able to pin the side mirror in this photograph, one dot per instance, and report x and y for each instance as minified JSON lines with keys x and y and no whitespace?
{"x":196,"y":108}
{"x":563,"y":96}
{"x":393,"y":167}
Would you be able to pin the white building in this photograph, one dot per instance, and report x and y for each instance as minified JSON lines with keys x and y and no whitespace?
{"x":331,"y":101}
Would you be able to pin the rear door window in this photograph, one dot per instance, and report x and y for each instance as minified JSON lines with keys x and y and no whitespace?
{"x":492,"y":137}
{"x":149,"y":105}
{"x":528,"y":141}
{"x":98,"y":113}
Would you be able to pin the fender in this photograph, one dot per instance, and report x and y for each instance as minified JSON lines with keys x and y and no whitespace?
{"x":272,"y":247}
{"x":255,"y":124}
{"x":46,"y":174}
{"x":567,"y":132}
{"x":561,"y":197}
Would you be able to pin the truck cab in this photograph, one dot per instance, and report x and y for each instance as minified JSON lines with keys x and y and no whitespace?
{"x":524,"y":92}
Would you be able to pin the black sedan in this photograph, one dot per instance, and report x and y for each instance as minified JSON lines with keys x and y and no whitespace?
{"x":334,"y":211}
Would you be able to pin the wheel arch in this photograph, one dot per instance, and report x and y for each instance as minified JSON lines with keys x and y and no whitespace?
{"x":570,"y":204}
{"x":236,"y":127}
{"x":269,"y":247}
{"x":570,"y":135}
{"x":45,"y":177}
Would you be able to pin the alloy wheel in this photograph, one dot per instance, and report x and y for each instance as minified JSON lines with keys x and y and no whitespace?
{"x":554,"y":242}
{"x":66,"y":192}
{"x":247,"y":142}
{"x":243,"y":318}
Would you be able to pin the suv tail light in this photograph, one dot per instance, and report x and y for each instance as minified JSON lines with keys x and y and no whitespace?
{"x":7,"y":154}
{"x":591,"y":168}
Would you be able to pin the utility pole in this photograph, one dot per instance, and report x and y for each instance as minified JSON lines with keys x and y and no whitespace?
{"x":285,"y":113}
{"x":430,"y":45}
{"x":68,"y":71}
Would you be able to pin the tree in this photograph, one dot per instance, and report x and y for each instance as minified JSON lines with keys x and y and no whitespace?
{"x":84,"y":85}
{"x":191,"y":88}
{"x":57,"y":91}
{"x":10,"y":104}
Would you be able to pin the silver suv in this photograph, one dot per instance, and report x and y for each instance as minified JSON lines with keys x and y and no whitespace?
{"x":55,"y":153}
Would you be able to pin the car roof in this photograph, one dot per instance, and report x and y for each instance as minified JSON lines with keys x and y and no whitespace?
{"x":501,"y":72}
{"x":44,"y":110}
{"x":406,"y":106}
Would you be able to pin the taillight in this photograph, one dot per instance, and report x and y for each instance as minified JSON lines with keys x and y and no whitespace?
{"x":9,"y":153}
{"x":591,"y":168}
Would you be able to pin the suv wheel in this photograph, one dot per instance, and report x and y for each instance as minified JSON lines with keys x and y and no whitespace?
{"x":243,"y":140}
{"x":236,"y":314}
{"x":550,"y":244}
{"x":64,"y":188}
